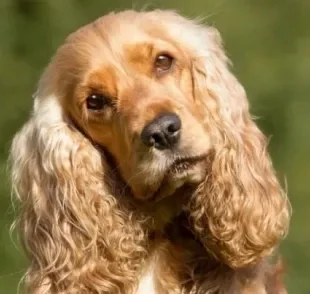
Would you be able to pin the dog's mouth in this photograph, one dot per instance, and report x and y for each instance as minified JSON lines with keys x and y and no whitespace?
{"x":183,"y":164}
{"x":183,"y":171}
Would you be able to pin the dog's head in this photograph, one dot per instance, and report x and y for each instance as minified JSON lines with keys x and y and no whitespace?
{"x":127,"y":80}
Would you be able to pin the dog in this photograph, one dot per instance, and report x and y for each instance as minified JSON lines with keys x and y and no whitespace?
{"x":141,"y":170}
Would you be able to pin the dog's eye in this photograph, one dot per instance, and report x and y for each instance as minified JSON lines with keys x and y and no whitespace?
{"x":163,"y":62}
{"x":96,"y":102}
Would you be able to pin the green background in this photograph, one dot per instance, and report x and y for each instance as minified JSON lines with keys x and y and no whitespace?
{"x":269,"y":44}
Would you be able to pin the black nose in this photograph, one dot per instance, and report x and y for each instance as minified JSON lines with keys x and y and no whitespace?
{"x":163,"y":132}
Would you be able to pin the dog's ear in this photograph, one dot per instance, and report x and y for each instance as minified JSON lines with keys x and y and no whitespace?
{"x":240,"y":212}
{"x":72,"y":228}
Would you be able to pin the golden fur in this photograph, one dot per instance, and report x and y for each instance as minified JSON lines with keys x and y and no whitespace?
{"x":98,"y":206}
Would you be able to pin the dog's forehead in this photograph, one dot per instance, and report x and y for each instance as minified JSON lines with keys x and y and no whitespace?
{"x":127,"y":29}
{"x":118,"y":30}
{"x":106,"y":43}
{"x":107,"y":39}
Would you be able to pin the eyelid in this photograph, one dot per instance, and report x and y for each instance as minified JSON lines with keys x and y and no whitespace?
{"x":165,"y":53}
{"x":97,"y":92}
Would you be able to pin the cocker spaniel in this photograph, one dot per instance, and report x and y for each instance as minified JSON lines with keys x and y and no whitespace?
{"x":141,"y":170}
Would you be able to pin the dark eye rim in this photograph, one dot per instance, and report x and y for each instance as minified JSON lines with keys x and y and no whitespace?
{"x":169,"y":56}
{"x":102,"y":99}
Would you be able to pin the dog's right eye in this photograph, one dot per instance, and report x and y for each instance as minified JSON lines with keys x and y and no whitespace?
{"x":96,"y":102}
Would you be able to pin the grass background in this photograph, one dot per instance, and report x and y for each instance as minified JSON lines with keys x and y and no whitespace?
{"x":269,"y":44}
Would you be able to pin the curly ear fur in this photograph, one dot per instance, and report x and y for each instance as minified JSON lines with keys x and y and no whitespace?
{"x":240,"y":212}
{"x":76,"y":235}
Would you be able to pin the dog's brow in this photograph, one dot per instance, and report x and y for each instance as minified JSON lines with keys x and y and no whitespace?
{"x":103,"y":81}
{"x":139,"y":51}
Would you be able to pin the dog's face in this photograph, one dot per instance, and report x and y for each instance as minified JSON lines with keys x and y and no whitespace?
{"x":134,"y":95}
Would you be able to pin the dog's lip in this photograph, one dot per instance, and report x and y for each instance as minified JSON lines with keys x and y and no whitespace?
{"x":179,"y":168}
{"x":181,"y":164}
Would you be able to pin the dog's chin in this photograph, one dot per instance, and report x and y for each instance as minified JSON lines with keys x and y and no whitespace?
{"x":183,"y":173}
{"x":180,"y":176}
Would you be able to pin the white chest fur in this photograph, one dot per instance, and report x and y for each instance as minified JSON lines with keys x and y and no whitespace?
{"x":147,"y":285}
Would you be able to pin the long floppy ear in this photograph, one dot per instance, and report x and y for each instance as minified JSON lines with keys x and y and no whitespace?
{"x":76,"y":234}
{"x":240,"y":212}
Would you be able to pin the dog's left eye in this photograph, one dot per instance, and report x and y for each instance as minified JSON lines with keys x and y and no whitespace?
{"x":163,"y":62}
{"x":96,"y":102}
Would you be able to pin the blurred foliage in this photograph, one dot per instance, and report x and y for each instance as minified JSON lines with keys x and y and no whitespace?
{"x":269,"y":44}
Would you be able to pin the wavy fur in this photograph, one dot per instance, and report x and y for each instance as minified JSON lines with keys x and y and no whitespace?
{"x":78,"y":240}
{"x":240,"y":211}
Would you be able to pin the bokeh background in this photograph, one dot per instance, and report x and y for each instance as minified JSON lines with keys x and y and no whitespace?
{"x":269,"y":44}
